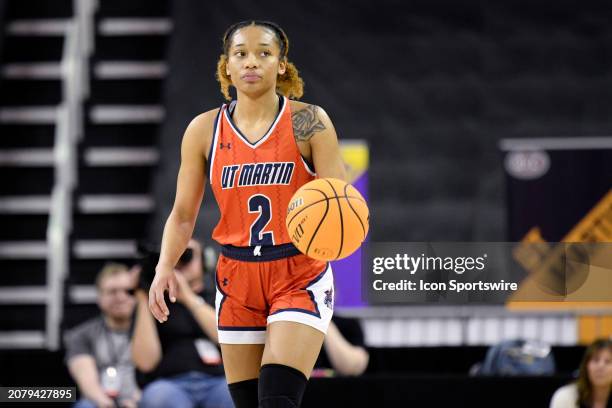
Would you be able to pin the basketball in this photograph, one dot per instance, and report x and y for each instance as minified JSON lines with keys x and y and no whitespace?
{"x":327,"y":219}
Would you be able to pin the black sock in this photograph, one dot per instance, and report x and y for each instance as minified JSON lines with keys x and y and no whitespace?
{"x":244,"y":393}
{"x":280,"y":386}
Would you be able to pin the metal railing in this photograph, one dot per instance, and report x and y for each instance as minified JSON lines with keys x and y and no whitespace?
{"x":78,"y":45}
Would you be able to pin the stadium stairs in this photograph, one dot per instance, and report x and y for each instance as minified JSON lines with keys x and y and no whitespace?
{"x":118,"y":153}
{"x":30,"y":95}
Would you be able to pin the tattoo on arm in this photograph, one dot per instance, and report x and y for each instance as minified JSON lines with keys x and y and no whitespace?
{"x":306,"y":123}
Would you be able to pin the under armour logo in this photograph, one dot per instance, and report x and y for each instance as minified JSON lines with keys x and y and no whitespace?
{"x":225,"y":281}
{"x":228,"y":146}
{"x":257,"y":251}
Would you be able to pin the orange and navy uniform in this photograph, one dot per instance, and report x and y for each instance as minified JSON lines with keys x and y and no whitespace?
{"x":253,"y":182}
{"x":261,"y":276}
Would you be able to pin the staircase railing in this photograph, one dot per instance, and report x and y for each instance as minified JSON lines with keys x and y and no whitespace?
{"x":78,"y":45}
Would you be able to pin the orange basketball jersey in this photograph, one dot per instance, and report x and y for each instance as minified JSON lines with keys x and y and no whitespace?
{"x":253,"y":182}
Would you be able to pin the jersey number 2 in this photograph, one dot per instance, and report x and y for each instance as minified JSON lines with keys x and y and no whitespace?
{"x":261,"y":204}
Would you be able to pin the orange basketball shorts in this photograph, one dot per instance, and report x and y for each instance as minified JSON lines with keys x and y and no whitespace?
{"x":254,"y":293}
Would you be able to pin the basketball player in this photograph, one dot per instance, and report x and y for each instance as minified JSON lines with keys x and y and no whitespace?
{"x":273,"y":304}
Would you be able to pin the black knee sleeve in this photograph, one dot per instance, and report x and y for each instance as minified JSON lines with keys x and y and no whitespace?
{"x":244,"y":393}
{"x":280,"y":386}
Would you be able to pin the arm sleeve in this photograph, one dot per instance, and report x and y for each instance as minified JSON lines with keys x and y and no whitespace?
{"x":563,"y":398}
{"x":77,"y":342}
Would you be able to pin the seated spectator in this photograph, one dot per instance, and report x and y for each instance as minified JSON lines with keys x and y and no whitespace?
{"x":98,"y":351}
{"x":592,"y":388}
{"x":343,"y":350}
{"x":180,"y":357}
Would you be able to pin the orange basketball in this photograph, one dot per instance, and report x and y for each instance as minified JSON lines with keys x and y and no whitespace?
{"x":327,"y":219}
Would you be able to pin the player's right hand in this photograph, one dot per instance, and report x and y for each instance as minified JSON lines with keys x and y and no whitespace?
{"x":164,"y":280}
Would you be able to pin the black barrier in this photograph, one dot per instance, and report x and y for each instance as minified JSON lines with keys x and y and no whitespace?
{"x":431,"y":391}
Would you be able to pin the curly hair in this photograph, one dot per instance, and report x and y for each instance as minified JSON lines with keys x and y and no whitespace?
{"x":289,"y":84}
{"x":585,"y":388}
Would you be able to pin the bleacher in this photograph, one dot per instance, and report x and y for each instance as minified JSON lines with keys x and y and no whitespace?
{"x":114,"y":152}
{"x":31,"y":89}
{"x":118,"y":153}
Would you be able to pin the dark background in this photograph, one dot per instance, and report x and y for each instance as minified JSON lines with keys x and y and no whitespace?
{"x":431,"y":85}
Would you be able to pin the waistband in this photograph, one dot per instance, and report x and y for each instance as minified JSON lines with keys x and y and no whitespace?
{"x":260,"y":253}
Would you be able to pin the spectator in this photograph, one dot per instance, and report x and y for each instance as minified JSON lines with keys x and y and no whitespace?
{"x":180,"y":356}
{"x":98,"y":350}
{"x":343,"y":349}
{"x":592,"y":388}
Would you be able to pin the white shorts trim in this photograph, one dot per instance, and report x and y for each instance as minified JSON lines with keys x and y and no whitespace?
{"x":323,"y":293}
{"x":242,"y":336}
{"x":298,"y":317}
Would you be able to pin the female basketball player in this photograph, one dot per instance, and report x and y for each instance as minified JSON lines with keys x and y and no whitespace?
{"x":273,"y":304}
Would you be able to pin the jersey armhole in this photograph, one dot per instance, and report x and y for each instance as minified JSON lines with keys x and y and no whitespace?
{"x":211,"y":151}
{"x":309,"y":167}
